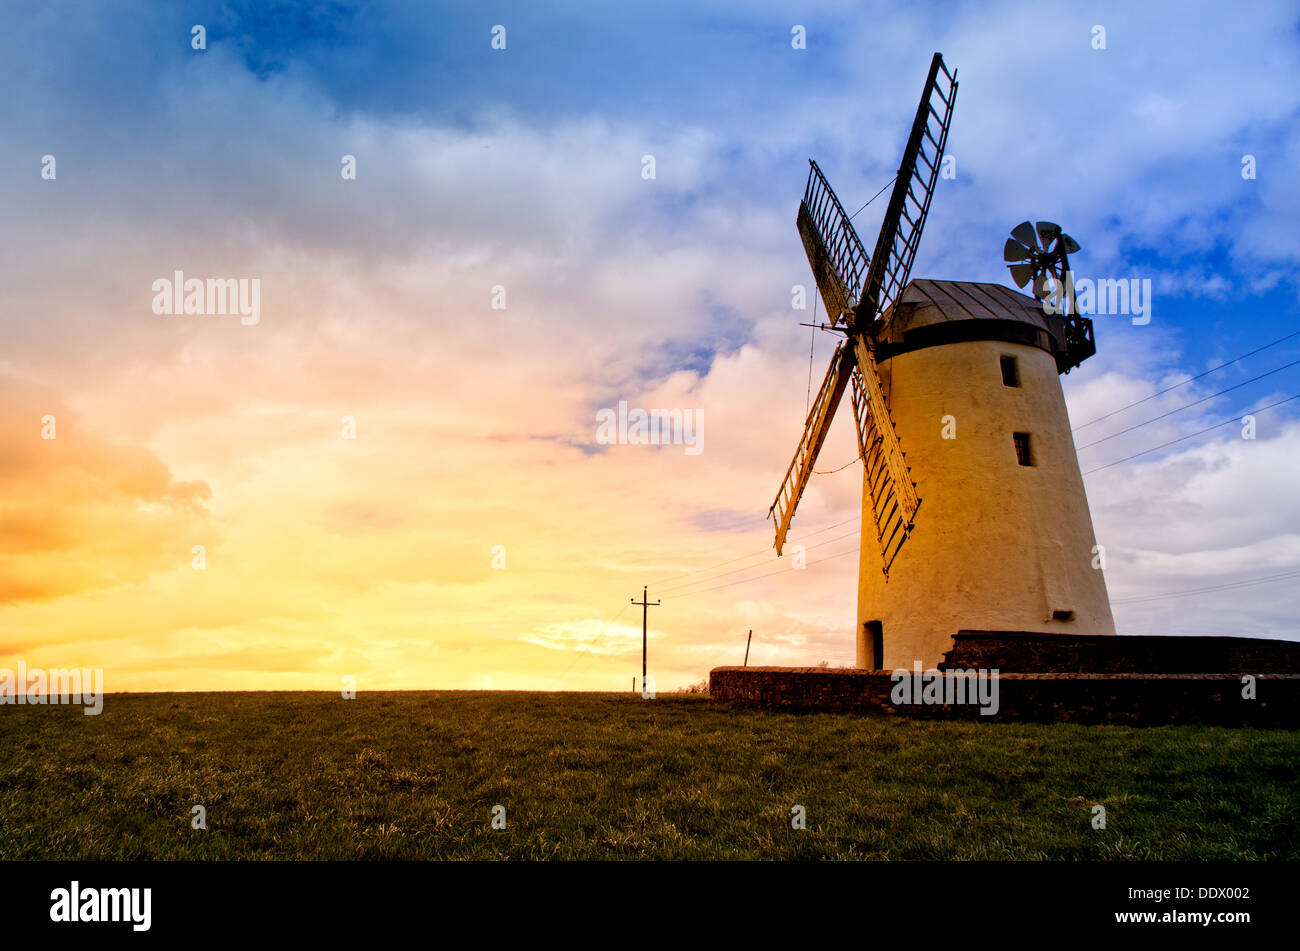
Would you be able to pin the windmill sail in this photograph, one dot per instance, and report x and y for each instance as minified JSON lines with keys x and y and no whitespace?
{"x":909,"y":203}
{"x":838,"y":259}
{"x":887,"y":480}
{"x":839,"y":263}
{"x":814,"y":434}
{"x":844,"y":275}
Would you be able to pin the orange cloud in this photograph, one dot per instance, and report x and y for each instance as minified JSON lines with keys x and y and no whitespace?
{"x":77,"y":511}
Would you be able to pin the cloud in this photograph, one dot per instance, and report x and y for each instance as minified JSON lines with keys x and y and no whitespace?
{"x":589,"y":636}
{"x":78,"y":512}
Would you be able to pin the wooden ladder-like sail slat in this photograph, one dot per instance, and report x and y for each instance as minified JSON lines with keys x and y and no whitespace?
{"x":888,"y":482}
{"x":909,"y":203}
{"x":838,"y":259}
{"x":814,"y":434}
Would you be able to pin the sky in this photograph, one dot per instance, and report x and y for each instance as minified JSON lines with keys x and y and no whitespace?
{"x":475,"y":533}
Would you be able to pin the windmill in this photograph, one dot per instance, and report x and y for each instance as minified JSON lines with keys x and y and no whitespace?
{"x":916,"y":353}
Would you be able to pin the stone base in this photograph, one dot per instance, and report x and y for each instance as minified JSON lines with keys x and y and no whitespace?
{"x":1044,"y":677}
{"x":1021,"y":652}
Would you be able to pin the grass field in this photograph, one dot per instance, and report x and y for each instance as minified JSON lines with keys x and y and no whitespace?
{"x":415,"y":775}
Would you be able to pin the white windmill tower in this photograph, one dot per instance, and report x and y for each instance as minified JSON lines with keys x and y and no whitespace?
{"x":973,"y":508}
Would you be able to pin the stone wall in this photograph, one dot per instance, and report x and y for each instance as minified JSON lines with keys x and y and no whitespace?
{"x":1135,"y":698}
{"x":1019,"y":652}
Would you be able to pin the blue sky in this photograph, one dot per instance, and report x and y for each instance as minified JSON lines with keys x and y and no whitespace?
{"x":846,"y":100}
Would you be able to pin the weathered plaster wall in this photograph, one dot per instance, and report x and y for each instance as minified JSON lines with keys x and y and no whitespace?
{"x":997,"y":545}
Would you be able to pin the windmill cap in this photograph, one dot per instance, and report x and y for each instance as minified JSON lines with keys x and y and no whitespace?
{"x":933,"y":313}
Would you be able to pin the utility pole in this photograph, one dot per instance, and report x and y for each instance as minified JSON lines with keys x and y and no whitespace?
{"x":747,"y":640}
{"x":646,"y":605}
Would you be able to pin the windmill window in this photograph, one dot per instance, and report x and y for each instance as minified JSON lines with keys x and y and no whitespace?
{"x":1062,"y":615}
{"x":1009,"y":377}
{"x":1022,"y":449}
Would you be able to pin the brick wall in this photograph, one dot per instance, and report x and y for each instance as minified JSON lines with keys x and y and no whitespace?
{"x":1135,"y":698}
{"x":1162,"y":654}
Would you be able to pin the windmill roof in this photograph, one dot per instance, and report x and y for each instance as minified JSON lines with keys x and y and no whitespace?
{"x":930,"y":312}
{"x":924,"y":301}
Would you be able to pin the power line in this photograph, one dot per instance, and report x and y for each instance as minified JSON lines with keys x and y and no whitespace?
{"x":751,"y":567}
{"x":1228,"y":586}
{"x":1153,"y":419}
{"x":1185,"y":382}
{"x":669,"y":575}
{"x":600,"y":638}
{"x":1157,"y":597}
{"x":782,"y":571}
{"x":682,"y":585}
{"x":1273,"y":579}
{"x":706,"y":590}
{"x":1230,"y":419}
{"x":770,"y":574}
{"x":756,"y":554}
{"x":687,"y":584}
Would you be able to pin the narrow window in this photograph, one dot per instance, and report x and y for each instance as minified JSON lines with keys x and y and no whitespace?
{"x":1009,"y":377}
{"x":1062,"y":615}
{"x":1022,"y":449}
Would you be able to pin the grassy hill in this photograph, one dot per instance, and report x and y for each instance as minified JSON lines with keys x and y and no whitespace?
{"x":415,"y":775}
